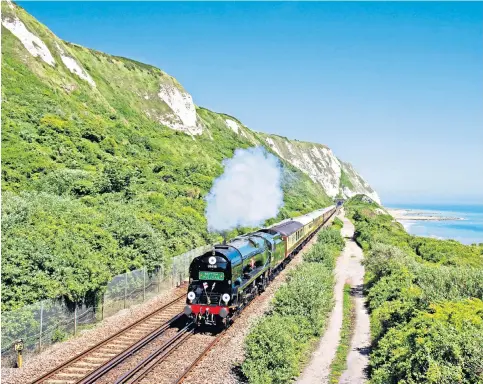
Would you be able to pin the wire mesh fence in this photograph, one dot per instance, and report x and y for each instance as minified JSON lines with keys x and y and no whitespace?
{"x":44,"y":323}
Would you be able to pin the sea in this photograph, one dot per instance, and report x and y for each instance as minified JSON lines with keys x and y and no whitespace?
{"x":467,"y":231}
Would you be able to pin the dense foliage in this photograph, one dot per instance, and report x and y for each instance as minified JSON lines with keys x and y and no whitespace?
{"x":278,"y":344}
{"x":425,"y":301}
{"x":93,"y":184}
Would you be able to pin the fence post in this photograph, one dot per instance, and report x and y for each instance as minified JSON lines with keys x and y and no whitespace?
{"x":41,"y":321}
{"x":144,"y":283}
{"x":125,"y":289}
{"x":75,"y":319}
{"x":102,"y":306}
{"x":159,"y":278}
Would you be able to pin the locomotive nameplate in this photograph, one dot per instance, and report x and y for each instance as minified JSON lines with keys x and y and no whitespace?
{"x":211,"y":275}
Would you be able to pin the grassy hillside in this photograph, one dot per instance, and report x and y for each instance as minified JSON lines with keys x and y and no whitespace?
{"x":425,"y":298}
{"x":93,"y":184}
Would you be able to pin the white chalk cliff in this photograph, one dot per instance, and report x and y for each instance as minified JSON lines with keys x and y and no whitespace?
{"x":160,"y":98}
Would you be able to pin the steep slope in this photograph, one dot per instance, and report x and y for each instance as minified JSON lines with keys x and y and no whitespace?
{"x":105,"y":165}
{"x":316,"y":160}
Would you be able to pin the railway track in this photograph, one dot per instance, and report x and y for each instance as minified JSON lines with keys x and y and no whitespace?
{"x":174,"y":360}
{"x":105,"y":355}
{"x":148,"y":351}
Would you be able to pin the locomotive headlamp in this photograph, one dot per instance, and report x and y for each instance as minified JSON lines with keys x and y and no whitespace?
{"x":191,"y":296}
{"x":212,"y":260}
{"x":226,"y":297}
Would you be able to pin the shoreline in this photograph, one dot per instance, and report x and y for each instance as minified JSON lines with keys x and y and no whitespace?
{"x":413,"y":214}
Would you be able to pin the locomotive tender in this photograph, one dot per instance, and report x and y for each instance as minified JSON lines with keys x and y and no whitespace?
{"x":225,"y":279}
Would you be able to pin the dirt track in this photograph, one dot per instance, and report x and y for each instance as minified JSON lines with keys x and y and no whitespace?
{"x":348,"y":268}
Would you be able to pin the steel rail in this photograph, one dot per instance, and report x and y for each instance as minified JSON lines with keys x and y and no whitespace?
{"x":147,"y":364}
{"x":99,"y":345}
{"x":105,"y":368}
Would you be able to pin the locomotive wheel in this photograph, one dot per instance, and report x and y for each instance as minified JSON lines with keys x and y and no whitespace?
{"x":263,"y":284}
{"x":223,"y":323}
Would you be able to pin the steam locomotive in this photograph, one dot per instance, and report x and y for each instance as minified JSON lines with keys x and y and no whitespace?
{"x":225,"y":279}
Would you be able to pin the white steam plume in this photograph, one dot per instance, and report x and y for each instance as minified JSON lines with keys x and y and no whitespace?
{"x":248,"y":193}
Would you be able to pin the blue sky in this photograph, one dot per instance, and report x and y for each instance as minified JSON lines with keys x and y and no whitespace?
{"x":394,"y":88}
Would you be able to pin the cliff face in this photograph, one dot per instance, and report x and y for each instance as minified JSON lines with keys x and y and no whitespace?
{"x":117,"y":83}
{"x":106,"y":162}
{"x":127,"y":87}
{"x":322,"y":166}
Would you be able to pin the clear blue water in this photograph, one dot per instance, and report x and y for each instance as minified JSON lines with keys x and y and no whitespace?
{"x":467,"y":231}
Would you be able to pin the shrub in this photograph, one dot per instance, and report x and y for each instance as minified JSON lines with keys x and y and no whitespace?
{"x":277,"y":345}
{"x":442,"y":346}
{"x":390,"y":287}
{"x":449,"y":283}
{"x":308,"y":293}
{"x":322,"y":253}
{"x":331,"y":236}
{"x":426,"y":316}
{"x":59,"y":335}
{"x":337,"y":223}
{"x":274,"y":348}
{"x":383,"y":259}
{"x":393,"y":313}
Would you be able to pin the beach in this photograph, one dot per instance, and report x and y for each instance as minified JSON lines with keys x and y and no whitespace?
{"x":414,"y":214}
{"x":463,"y":223}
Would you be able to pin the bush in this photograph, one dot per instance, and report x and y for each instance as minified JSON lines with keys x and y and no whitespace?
{"x":331,"y":236}
{"x":393,"y":313}
{"x":322,"y":253}
{"x":59,"y":335}
{"x":440,"y":283}
{"x":337,"y":223}
{"x":390,"y":287}
{"x":328,"y":246}
{"x":308,"y":293}
{"x":383,"y":259}
{"x":277,"y":345}
{"x":442,"y":346}
{"x":274,"y":348}
{"x":425,"y":301}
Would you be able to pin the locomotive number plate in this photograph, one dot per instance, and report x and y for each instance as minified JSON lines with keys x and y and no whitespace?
{"x":211,"y":275}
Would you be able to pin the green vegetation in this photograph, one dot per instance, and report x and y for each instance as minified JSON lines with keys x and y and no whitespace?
{"x":345,"y":181}
{"x":93,"y":183}
{"x":328,"y":246}
{"x":277,"y":346}
{"x":425,"y":301}
{"x":339,"y":364}
{"x":337,"y":223}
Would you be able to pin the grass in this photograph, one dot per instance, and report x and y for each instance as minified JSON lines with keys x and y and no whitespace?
{"x":339,"y":364}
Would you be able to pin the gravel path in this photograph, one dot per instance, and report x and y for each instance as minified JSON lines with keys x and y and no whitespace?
{"x":36,"y":365}
{"x":219,"y":366}
{"x":348,"y":268}
{"x":358,"y":357}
